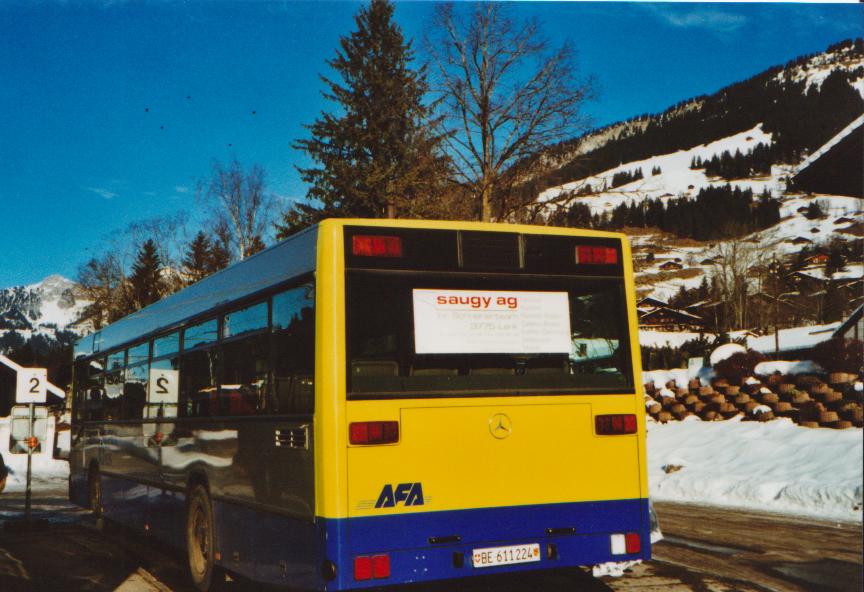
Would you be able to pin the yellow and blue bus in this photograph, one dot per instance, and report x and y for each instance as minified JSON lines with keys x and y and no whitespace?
{"x":377,"y":402}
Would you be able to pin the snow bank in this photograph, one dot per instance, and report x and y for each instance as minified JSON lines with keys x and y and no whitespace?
{"x":47,"y":472}
{"x":775,"y":466}
{"x":726,"y":351}
{"x":681,"y":376}
{"x":785,"y":367}
{"x":660,"y":378}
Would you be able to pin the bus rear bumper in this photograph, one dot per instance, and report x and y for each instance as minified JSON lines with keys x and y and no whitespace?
{"x":568,"y":535}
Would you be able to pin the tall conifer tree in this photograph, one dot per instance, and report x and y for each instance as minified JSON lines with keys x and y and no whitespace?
{"x":145,"y":280}
{"x":377,"y":155}
{"x":203,"y":257}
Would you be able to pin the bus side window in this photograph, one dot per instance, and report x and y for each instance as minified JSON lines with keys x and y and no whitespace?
{"x":112,"y":395}
{"x":199,"y":381}
{"x":134,"y":392}
{"x":294,"y":351}
{"x":88,"y":394}
{"x":245,"y":376}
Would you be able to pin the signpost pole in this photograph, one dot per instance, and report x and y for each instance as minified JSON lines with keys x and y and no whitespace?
{"x":29,"y":466}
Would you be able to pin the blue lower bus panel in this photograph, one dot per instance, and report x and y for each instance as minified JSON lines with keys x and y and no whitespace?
{"x":568,"y":535}
{"x":420,"y":547}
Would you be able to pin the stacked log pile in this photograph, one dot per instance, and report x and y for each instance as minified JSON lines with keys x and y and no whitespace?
{"x":806,"y":400}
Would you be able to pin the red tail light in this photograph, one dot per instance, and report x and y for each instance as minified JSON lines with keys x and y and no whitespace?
{"x":373,"y":432}
{"x":611,"y":425}
{"x":367,"y":568}
{"x":364,"y":245}
{"x":381,"y":566}
{"x":631,"y":542}
{"x":363,"y":568}
{"x":587,"y":255}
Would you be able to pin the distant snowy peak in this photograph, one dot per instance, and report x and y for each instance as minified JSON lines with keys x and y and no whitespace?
{"x":54,"y":303}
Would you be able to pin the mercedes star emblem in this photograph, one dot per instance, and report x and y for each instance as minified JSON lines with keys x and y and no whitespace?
{"x":500,"y":426}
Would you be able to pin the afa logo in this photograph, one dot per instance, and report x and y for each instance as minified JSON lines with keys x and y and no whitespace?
{"x":410,"y":493}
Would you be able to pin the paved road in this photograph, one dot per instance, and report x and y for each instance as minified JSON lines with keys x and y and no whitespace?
{"x":706,"y":550}
{"x":758,"y":551}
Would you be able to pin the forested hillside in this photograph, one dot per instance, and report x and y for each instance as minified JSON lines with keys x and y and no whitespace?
{"x":801,"y":104}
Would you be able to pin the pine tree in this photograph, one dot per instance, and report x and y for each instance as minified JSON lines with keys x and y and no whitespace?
{"x":203,"y":257}
{"x":814,"y":211}
{"x":145,"y":280}
{"x":377,"y":156}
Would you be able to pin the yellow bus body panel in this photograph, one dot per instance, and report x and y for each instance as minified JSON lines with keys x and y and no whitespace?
{"x":551,"y":456}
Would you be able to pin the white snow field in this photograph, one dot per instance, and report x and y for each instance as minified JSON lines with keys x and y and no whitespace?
{"x":774,"y":466}
{"x":676,"y":178}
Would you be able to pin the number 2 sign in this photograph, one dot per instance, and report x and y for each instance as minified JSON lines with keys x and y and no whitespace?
{"x":30,"y":387}
{"x":163,"y":386}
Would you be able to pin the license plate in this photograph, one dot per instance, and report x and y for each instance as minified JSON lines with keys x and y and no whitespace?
{"x":492,"y":556}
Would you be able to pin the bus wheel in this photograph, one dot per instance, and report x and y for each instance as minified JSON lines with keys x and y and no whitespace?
{"x":94,"y":495}
{"x":201,"y":540}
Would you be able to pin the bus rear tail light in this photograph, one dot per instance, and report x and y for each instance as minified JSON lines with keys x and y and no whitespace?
{"x":364,"y":245}
{"x":625,"y":544}
{"x":380,"y":566}
{"x":362,"y":568}
{"x":632,"y":543}
{"x":373,"y":432}
{"x":588,"y":255}
{"x":612,"y":425}
{"x":375,"y":567}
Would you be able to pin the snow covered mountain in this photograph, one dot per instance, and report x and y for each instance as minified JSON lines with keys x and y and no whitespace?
{"x":807,"y":101}
{"x":763,"y":129}
{"x":48,"y":308}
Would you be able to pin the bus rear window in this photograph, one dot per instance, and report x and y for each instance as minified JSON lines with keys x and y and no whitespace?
{"x":453,"y":334}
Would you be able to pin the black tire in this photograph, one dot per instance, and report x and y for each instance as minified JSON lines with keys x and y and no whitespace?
{"x":201,"y":541}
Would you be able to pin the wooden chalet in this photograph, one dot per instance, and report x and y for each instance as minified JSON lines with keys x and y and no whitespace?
{"x":837,"y":167}
{"x":664,"y":318}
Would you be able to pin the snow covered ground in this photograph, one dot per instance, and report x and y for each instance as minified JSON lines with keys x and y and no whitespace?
{"x":774,"y":466}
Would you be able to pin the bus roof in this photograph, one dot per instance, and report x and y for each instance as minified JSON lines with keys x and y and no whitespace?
{"x":271,"y":267}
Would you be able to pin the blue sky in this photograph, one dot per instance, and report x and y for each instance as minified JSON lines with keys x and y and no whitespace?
{"x":111,"y":112}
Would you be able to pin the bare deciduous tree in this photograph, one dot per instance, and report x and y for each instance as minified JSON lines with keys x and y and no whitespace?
{"x":103,"y":282}
{"x":507,"y":97}
{"x":239,"y":205}
{"x":734,"y":264}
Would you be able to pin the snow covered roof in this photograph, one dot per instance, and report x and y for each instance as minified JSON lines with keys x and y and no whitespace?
{"x":54,"y":390}
{"x":794,"y":338}
{"x":849,"y":325}
{"x":831,"y":143}
{"x":672,"y":311}
{"x":699,"y":304}
{"x":853,"y":271}
{"x":651,"y":302}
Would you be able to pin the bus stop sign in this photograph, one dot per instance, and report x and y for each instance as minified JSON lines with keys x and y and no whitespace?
{"x":31,"y":386}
